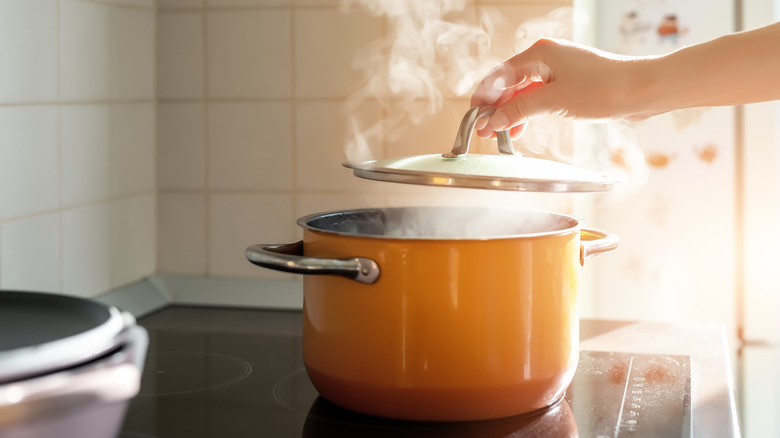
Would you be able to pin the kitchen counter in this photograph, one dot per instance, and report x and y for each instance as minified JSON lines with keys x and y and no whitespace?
{"x":268,"y":393}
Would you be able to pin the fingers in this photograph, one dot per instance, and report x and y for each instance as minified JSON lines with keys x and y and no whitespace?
{"x":513,"y":113}
{"x":517,"y":131}
{"x":511,"y":87}
{"x":494,"y":86}
{"x":505,"y":96}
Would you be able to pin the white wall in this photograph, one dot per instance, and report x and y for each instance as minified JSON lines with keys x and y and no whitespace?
{"x":760,"y":390}
{"x":77,"y":142}
{"x":677,"y":259}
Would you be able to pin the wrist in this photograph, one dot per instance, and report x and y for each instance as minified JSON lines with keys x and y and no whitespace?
{"x":648,"y":92}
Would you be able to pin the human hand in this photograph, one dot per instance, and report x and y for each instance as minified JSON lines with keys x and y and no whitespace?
{"x":561,"y":78}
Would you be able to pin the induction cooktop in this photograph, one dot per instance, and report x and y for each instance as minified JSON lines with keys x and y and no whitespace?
{"x":214,"y":372}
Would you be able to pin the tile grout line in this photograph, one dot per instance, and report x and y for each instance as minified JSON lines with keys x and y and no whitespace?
{"x":63,"y":209}
{"x":60,"y":102}
{"x":112,"y":171}
{"x":237,"y":8}
{"x":385,"y":90}
{"x":118,"y":5}
{"x":293,"y":122}
{"x":206,"y":145}
{"x":60,"y":221}
{"x":156,"y":105}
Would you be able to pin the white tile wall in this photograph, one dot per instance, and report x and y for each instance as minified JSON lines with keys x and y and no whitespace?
{"x":239,"y":220}
{"x":85,"y":161}
{"x":77,"y":144}
{"x":29,"y":173}
{"x":318,"y":3}
{"x":132,"y":52}
{"x":250,"y":146}
{"x":85,"y":43}
{"x":86,"y":247}
{"x":180,"y":55}
{"x":249,"y":53}
{"x":320,"y":145}
{"x":306,"y":204}
{"x":28,"y":72}
{"x":132,"y":148}
{"x":30,"y":253}
{"x":324,"y":58}
{"x":134,"y":3}
{"x":228,"y":3}
{"x":133,"y":238}
{"x":179,"y":4}
{"x":182,"y":238}
{"x":181,"y":146}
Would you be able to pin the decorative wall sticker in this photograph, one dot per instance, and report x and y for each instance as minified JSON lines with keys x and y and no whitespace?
{"x":617,"y":158}
{"x":670,"y":31}
{"x":659,"y":160}
{"x":648,"y":27}
{"x":685,"y":118}
{"x":633,"y":31}
{"x":707,"y":153}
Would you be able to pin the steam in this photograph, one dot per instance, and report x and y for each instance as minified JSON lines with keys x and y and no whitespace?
{"x":435,"y":50}
{"x":430,"y":51}
{"x":473,"y":223}
{"x":560,"y":23}
{"x":444,"y":222}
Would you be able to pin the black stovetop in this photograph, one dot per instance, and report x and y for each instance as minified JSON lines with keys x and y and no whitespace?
{"x":214,"y":372}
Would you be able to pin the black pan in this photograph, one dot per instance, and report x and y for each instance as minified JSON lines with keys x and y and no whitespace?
{"x":42,"y":332}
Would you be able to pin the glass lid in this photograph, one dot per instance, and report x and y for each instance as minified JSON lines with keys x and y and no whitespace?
{"x":507,"y":170}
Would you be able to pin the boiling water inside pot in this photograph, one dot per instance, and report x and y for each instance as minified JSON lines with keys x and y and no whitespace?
{"x":440,"y":222}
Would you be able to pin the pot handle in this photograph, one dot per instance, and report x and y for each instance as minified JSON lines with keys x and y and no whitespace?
{"x":595,"y":242}
{"x":288,"y":257}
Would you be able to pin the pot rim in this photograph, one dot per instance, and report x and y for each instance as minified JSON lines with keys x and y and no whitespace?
{"x":573,"y":226}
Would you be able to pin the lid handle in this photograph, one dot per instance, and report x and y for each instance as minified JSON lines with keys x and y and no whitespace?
{"x":461,"y":145}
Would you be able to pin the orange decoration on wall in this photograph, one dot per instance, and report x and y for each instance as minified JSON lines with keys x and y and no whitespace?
{"x":659,"y":160}
{"x":707,"y":153}
{"x":618,"y":158}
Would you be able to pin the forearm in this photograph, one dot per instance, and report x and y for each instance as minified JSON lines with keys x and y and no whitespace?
{"x":584,"y":83}
{"x":735,"y":69}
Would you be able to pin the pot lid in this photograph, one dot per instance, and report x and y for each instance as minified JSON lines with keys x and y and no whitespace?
{"x":507,"y":170}
{"x":42,"y":332}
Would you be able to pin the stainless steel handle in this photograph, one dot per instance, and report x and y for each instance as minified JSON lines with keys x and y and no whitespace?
{"x":288,"y":257}
{"x":596,"y":242}
{"x":463,"y":139}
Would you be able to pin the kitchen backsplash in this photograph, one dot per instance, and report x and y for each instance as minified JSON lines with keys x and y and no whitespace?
{"x":140,"y":137}
{"x":253,"y":121}
{"x":77,"y":144}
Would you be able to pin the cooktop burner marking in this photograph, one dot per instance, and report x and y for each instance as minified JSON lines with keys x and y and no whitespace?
{"x":186,"y":372}
{"x":277,"y":391}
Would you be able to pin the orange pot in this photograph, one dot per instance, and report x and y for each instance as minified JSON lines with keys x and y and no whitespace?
{"x":439,"y":325}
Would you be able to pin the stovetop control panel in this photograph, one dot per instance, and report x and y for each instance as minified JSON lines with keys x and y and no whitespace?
{"x":631,"y":395}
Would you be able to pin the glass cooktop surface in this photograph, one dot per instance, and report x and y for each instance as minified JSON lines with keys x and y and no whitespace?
{"x":214,"y":372}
